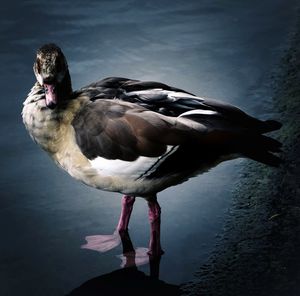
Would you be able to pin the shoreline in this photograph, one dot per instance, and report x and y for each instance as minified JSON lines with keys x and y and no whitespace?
{"x":258,"y":253}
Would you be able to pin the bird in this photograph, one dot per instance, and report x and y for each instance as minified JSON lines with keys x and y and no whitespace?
{"x":136,"y":137}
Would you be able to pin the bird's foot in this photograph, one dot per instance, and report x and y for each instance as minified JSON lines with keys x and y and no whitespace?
{"x":155,"y":252}
{"x":102,"y":243}
{"x":136,"y":257}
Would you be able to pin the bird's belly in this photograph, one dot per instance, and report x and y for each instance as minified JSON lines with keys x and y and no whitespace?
{"x":131,"y":177}
{"x":133,"y":170}
{"x":120,"y":176}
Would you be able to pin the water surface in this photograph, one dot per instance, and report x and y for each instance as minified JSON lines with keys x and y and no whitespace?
{"x":221,"y":49}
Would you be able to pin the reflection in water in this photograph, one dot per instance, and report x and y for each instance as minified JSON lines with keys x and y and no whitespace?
{"x":129,"y":280}
{"x":104,"y":243}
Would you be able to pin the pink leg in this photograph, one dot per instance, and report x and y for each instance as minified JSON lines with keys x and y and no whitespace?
{"x":155,"y":249}
{"x":127,"y":206}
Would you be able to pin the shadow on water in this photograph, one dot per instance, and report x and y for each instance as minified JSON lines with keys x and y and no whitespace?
{"x":129,"y":280}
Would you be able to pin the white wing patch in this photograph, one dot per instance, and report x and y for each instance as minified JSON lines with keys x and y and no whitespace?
{"x":198,"y":111}
{"x":141,"y":167}
{"x":173,"y":95}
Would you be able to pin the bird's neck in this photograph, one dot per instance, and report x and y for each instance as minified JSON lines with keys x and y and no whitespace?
{"x":64,"y":88}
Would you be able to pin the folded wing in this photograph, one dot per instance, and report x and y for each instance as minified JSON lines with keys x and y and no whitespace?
{"x":113,"y":129}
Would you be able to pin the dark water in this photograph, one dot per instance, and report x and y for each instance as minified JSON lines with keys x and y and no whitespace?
{"x":221,"y":49}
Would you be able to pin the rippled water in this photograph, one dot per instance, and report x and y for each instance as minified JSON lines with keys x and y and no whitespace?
{"x":221,"y":49}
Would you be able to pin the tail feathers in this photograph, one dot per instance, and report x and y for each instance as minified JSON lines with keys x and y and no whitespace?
{"x":268,"y":143}
{"x":239,"y":118}
{"x":260,"y":126}
{"x":271,"y":125}
{"x":265,"y":157}
{"x":261,"y":149}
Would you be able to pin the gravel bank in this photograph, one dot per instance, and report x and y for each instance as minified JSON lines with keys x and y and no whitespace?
{"x":258,"y":253}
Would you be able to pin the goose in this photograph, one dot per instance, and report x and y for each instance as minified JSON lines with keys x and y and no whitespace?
{"x":136,"y":137}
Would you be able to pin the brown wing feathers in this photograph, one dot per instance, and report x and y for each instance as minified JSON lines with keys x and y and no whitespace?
{"x":118,"y":130}
{"x":114,"y":129}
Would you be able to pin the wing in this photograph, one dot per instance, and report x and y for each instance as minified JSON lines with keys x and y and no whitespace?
{"x":155,"y":96}
{"x":174,"y":102}
{"x":113,"y":129}
{"x":125,"y":138}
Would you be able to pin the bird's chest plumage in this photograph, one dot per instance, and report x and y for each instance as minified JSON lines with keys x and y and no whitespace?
{"x":54,"y":133}
{"x":43,"y":125}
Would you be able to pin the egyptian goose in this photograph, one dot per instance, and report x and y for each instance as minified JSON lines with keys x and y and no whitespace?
{"x":135,"y":137}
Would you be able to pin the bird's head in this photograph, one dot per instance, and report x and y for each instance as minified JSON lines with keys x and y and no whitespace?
{"x":51,"y":71}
